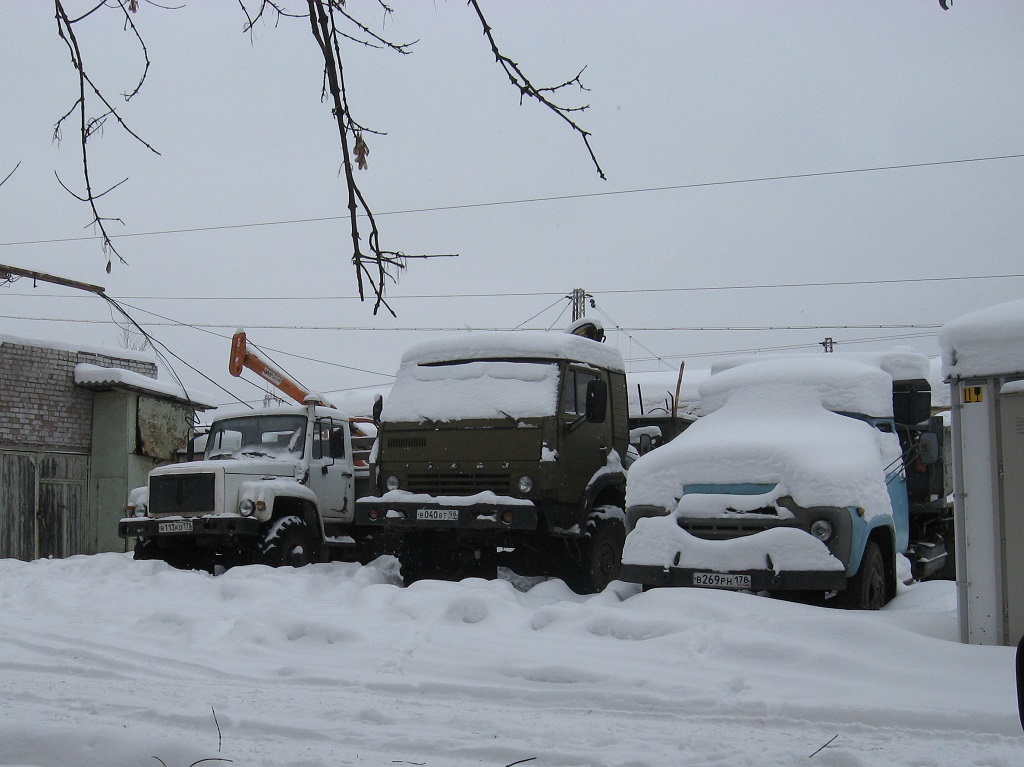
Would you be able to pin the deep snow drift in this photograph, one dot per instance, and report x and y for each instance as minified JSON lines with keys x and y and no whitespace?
{"x":106,"y":662}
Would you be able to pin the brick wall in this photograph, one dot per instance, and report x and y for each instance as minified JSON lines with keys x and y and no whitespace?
{"x":40,"y":406}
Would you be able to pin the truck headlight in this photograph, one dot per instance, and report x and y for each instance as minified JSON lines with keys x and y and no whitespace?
{"x":822,"y":530}
{"x":525,"y":484}
{"x":392,"y":483}
{"x":136,"y":509}
{"x":246,"y":508}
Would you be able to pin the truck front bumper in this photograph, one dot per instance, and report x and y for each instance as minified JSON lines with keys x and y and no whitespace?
{"x":739,"y":580}
{"x":435,"y":513}
{"x":188,"y":527}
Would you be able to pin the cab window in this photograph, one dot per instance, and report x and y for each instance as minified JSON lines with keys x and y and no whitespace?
{"x":574,"y":391}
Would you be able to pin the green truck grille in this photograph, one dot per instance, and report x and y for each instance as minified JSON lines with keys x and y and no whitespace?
{"x":458,"y":484}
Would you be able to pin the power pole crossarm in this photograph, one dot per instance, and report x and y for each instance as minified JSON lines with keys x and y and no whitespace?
{"x":9,"y":272}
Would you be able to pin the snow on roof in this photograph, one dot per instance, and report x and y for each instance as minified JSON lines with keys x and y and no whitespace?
{"x":483,"y":389}
{"x":940,"y":391}
{"x":515,"y":345}
{"x":989,"y":341}
{"x":96,"y":377}
{"x":837,"y":383}
{"x":106,"y":351}
{"x":900,"y":362}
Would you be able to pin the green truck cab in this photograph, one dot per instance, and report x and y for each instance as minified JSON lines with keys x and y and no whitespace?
{"x":504,"y":449}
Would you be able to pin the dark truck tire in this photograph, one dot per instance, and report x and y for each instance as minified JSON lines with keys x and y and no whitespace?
{"x":600,"y":556}
{"x":287,"y":543}
{"x":866,"y":590}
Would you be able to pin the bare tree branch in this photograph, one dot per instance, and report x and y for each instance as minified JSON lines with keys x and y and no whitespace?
{"x":526,"y":88}
{"x":379,"y":266}
{"x":88,"y":126}
{"x":331,"y":22}
{"x":11,"y":173}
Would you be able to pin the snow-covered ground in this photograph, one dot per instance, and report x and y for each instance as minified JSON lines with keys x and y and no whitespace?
{"x":105,"y":661}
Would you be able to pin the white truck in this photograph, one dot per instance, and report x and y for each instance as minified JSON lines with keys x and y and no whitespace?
{"x":802,"y":475}
{"x":276,"y":486}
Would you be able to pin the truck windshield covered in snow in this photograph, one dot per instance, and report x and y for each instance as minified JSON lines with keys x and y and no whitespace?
{"x":473,"y":389}
{"x":265,"y":436}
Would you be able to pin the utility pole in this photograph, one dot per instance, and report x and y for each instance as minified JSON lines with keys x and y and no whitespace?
{"x":579,"y":303}
{"x":9,"y":274}
{"x":828,"y":345}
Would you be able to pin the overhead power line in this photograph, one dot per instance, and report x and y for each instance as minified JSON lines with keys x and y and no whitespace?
{"x":526,"y":200}
{"x":206,"y":327}
{"x":561,"y":294}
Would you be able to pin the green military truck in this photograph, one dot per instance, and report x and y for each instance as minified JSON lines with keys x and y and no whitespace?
{"x":504,"y":449}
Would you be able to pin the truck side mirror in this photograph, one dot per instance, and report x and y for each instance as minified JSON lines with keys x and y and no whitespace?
{"x":378,"y":406}
{"x":929,"y":448}
{"x":597,"y":400}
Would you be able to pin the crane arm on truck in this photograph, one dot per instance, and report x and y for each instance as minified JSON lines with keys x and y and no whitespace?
{"x":244,"y":356}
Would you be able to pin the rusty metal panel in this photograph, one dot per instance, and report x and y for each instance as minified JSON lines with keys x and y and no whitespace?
{"x":162,"y":427}
{"x":17,"y":505}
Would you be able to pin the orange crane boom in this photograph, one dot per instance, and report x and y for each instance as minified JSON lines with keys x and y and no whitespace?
{"x":244,"y":356}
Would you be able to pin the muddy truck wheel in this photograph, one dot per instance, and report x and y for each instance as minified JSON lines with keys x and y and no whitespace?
{"x":600,"y":556}
{"x":287,"y":543}
{"x":866,"y":590}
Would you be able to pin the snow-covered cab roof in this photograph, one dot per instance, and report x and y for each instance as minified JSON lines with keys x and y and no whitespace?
{"x":498,"y":375}
{"x":842,"y":385}
{"x":510,"y":345}
{"x":901,"y":363}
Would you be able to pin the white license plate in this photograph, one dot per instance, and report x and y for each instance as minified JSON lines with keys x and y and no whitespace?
{"x":184,"y":526}
{"x":721,"y":580}
{"x":438,"y":515}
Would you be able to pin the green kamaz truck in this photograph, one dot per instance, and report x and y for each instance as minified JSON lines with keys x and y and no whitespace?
{"x":504,"y":449}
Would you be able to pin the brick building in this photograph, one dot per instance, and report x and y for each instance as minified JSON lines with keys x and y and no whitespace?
{"x":79,"y":427}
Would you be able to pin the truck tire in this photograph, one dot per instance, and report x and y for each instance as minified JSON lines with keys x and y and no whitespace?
{"x":866,"y":590}
{"x":288,"y":543}
{"x":600,"y":556}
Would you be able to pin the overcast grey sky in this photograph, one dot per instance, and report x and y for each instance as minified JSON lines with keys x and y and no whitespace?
{"x":685,"y":99}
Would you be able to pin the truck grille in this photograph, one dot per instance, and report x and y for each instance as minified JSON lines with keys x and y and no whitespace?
{"x":458,"y":484}
{"x":182,"y":494}
{"x":714,"y":531}
{"x":406,"y":442}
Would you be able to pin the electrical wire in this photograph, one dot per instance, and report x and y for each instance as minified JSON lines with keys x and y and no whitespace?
{"x":526,"y":200}
{"x":560,"y":295}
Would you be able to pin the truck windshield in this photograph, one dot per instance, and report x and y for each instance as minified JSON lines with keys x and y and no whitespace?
{"x":267,"y":436}
{"x":477,"y":389}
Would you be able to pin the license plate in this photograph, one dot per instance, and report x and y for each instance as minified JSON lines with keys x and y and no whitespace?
{"x":438,"y":515}
{"x":721,"y":580}
{"x":184,"y":526}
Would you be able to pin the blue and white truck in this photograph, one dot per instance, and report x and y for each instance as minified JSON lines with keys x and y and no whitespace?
{"x":804,"y":474}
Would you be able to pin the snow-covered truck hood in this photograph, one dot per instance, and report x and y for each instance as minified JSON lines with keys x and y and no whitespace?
{"x":779,"y":437}
{"x":249,"y":467}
